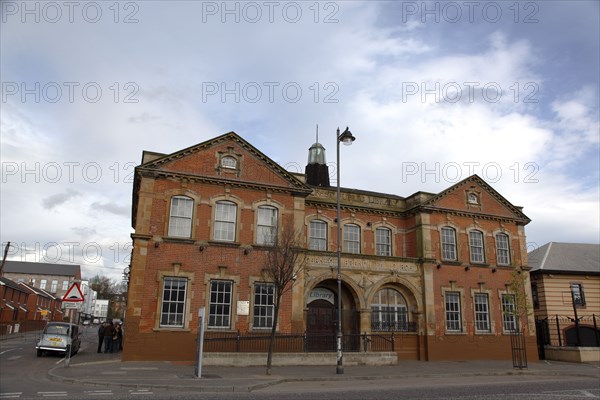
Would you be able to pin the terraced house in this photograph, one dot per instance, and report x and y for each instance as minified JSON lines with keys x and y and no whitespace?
{"x":431,"y":270}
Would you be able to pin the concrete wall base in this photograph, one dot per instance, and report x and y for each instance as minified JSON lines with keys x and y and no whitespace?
{"x":573,"y":354}
{"x":290,"y":359}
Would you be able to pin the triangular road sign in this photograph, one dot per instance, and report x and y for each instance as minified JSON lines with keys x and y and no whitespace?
{"x":74,"y":293}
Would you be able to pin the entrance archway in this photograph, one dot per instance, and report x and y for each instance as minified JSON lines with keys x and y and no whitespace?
{"x":322,"y":317}
{"x":320,"y":326}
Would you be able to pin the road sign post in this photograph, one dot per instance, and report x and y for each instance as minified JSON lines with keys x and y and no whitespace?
{"x":72,"y":300}
{"x":200,"y":342}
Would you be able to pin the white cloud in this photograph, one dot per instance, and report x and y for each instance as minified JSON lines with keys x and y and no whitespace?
{"x":355,"y":72}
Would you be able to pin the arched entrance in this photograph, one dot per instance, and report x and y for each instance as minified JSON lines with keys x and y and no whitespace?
{"x":322,"y":317}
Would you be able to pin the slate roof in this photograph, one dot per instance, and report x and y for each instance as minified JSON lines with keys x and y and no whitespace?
{"x":566,"y":258}
{"x":22,"y":267}
{"x":10,"y":283}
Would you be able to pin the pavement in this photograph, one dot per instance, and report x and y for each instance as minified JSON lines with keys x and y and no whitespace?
{"x":107,"y":370}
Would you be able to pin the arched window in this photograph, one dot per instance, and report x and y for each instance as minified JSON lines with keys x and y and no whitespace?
{"x":229,"y":162}
{"x":448,"y":244}
{"x":383,"y":242}
{"x":352,"y":238}
{"x":389,"y":311}
{"x":225,"y":218}
{"x":317,"y":235}
{"x":180,"y":218}
{"x":476,"y":245}
{"x":266,"y":225}
{"x":502,"y":249}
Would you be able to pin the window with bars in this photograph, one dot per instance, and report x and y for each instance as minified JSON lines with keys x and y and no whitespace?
{"x":476,"y":245}
{"x":509,"y":318}
{"x":502,"y":249}
{"x":180,"y":218}
{"x":535,"y":298}
{"x":317,"y":237}
{"x":266,"y":225}
{"x":453,"y":312}
{"x":172,"y":310}
{"x":577,"y":293}
{"x":482,"y":313}
{"x":352,"y":238}
{"x":383,"y":241}
{"x":264,"y":305}
{"x":225,"y":218}
{"x":449,"y":244}
{"x":219,"y":313}
{"x":389,"y":311}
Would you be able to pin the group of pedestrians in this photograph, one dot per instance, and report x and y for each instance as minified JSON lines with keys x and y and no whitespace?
{"x":112,"y":336}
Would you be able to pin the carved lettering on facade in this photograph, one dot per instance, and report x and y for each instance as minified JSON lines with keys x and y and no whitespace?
{"x":361,"y":264}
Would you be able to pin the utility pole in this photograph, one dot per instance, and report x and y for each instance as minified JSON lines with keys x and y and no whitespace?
{"x":4,"y":258}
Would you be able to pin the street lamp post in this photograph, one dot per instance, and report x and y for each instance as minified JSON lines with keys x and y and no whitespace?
{"x":346,"y":138}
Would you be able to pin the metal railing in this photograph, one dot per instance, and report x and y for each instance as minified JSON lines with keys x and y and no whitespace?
{"x":560,"y":331}
{"x":251,"y":342}
{"x":394,"y":326}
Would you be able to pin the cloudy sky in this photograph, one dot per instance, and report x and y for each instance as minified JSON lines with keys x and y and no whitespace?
{"x":433,"y":92}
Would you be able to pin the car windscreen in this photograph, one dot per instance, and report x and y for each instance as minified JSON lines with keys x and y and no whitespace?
{"x":57,"y":330}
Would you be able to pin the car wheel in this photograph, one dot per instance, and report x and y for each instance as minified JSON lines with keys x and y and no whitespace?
{"x":39,"y":353}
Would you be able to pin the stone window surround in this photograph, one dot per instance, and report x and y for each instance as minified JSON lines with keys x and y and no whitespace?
{"x":461,"y":291}
{"x":174,"y":272}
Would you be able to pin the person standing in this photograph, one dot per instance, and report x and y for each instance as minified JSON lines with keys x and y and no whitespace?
{"x":117,"y":338}
{"x":109,"y":331}
{"x":100,"y":337}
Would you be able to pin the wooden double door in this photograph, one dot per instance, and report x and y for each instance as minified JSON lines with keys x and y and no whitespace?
{"x":322,"y":325}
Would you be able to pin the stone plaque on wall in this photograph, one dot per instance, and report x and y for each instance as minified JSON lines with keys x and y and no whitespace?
{"x":243,"y":307}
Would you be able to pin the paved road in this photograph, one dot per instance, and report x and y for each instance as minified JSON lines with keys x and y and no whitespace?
{"x":92,"y":375}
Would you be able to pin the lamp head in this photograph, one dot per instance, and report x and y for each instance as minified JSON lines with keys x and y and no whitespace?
{"x":346,"y":137}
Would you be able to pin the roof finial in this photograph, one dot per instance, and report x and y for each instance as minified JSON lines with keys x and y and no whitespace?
{"x":317,"y":133}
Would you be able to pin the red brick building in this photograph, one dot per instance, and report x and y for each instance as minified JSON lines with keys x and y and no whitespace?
{"x":434,"y":269}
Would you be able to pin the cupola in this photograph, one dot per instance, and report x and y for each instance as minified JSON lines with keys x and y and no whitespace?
{"x":317,"y":171}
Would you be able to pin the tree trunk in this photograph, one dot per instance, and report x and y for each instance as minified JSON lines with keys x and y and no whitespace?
{"x":272,"y":338}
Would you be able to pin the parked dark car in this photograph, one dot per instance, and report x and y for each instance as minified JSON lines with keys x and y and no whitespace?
{"x":58,"y":337}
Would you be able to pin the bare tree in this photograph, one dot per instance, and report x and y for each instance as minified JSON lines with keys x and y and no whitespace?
{"x":522,"y":304}
{"x":111,"y":290}
{"x":284,"y":261}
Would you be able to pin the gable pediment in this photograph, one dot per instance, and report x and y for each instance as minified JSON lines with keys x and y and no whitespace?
{"x":225,"y":159}
{"x":474,"y":196}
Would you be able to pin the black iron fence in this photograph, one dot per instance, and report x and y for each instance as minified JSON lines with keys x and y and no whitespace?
{"x":518,"y":347}
{"x":393,"y":326}
{"x":562,"y":331}
{"x":299,"y":342}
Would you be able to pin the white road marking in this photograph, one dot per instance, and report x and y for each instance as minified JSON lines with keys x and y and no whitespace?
{"x":141,"y":391}
{"x":6,"y":351}
{"x":53,"y":394}
{"x":576,"y":394}
{"x":11,"y":395}
{"x":588,"y":394}
{"x":13,"y":358}
{"x":99,"y":393}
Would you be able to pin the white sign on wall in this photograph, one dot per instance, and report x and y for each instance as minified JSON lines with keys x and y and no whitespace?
{"x":321,"y":294}
{"x":243,"y":307}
